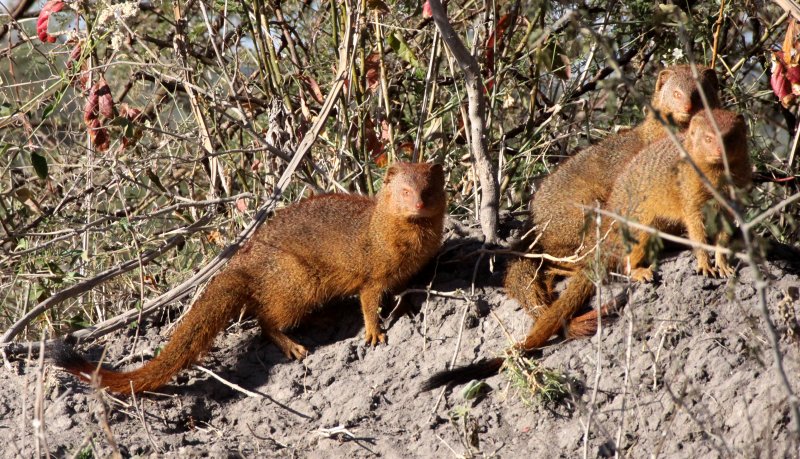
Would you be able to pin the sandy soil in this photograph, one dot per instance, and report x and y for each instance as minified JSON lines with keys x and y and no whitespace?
{"x":686,"y":371}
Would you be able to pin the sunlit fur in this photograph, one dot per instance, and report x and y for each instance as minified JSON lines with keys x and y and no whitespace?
{"x":322,"y":248}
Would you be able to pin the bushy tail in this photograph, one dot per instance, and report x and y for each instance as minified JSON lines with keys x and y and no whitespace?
{"x":558,"y":315}
{"x":585,"y":325}
{"x":192,"y":338}
{"x":461,"y":375}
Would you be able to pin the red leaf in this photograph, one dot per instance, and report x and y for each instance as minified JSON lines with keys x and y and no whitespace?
{"x":496,"y":37}
{"x":91,"y":107}
{"x":106,"y":102}
{"x":780,"y":85}
{"x":75,"y":54}
{"x":373,"y":67}
{"x":99,"y":135}
{"x":52,"y":6}
{"x":312,"y":84}
{"x":426,"y":10}
{"x":131,"y":113}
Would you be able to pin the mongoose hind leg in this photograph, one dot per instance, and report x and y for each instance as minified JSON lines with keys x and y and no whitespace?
{"x":290,"y":348}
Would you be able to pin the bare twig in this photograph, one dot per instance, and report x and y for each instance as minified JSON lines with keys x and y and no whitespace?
{"x":233,"y":386}
{"x":478,"y":138}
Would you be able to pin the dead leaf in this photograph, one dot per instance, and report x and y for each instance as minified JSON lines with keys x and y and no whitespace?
{"x":372,"y":65}
{"x":53,"y":6}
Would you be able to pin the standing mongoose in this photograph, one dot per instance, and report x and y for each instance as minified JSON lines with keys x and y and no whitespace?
{"x":586,"y":179}
{"x":660,"y":189}
{"x":324,"y":247}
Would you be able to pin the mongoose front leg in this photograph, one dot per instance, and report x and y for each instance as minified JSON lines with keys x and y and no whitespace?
{"x":697,"y":233}
{"x":637,"y":257}
{"x":370,"y":304}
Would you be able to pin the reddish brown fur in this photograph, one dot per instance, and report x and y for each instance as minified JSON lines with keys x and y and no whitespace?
{"x":319,"y":249}
{"x":661,"y":190}
{"x":587,"y":178}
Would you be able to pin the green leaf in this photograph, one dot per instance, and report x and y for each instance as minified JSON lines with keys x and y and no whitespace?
{"x":6,"y":109}
{"x":553,"y":58}
{"x":39,"y":165}
{"x":78,"y":321}
{"x":48,"y":111}
{"x":475,"y":389}
{"x":399,"y":45}
{"x":52,"y":106}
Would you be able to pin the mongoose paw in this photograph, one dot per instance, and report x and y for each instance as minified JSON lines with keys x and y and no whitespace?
{"x":642,"y":275}
{"x":725,"y":270}
{"x":706,"y":270}
{"x":373,"y":337}
{"x":296,"y":351}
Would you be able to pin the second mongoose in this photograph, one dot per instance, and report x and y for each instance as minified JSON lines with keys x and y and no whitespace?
{"x":322,"y":248}
{"x":587,"y":178}
{"x":660,"y":189}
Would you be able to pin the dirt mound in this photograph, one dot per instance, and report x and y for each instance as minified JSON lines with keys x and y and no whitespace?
{"x":686,"y":371}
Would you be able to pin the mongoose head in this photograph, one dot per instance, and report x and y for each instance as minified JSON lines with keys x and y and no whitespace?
{"x":677,"y":96}
{"x":705,"y":147}
{"x":414,"y":190}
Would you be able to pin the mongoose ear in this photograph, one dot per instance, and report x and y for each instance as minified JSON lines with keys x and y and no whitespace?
{"x":663,"y":76}
{"x":390,"y":173}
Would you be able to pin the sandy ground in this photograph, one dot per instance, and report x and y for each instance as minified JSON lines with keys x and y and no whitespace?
{"x":686,"y":371}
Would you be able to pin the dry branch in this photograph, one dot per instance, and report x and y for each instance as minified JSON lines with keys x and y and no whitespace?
{"x":485,"y":166}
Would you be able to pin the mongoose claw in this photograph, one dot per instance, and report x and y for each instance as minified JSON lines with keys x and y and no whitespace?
{"x":705,"y":270}
{"x":642,"y":275}
{"x":725,"y":270}
{"x":374,"y":337}
{"x":297,"y":352}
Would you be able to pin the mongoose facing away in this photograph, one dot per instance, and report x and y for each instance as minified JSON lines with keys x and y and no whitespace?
{"x":309,"y":253}
{"x":659,"y":189}
{"x":587,"y":178}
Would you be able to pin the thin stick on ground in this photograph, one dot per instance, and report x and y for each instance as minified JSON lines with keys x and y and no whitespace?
{"x":233,"y":386}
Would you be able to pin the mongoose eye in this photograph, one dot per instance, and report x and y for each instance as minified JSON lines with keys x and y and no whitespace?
{"x":709,"y":139}
{"x":677,"y":94}
{"x":406,"y":192}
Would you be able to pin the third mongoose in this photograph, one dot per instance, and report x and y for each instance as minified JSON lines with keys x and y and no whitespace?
{"x":324,"y":247}
{"x":659,"y":189}
{"x":586,"y":179}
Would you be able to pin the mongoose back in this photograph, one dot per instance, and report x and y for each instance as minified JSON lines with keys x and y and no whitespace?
{"x":587,"y":178}
{"x":659,"y":189}
{"x":309,"y":253}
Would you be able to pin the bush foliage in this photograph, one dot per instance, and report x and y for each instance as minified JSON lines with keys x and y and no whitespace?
{"x":124,"y":124}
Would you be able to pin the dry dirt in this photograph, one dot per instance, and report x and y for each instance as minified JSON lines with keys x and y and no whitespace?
{"x":686,"y":371}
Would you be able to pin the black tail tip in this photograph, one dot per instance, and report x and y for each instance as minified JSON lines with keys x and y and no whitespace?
{"x":462,"y":375}
{"x":64,"y":355}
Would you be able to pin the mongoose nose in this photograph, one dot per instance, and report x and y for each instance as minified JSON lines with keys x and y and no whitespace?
{"x":419,"y":205}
